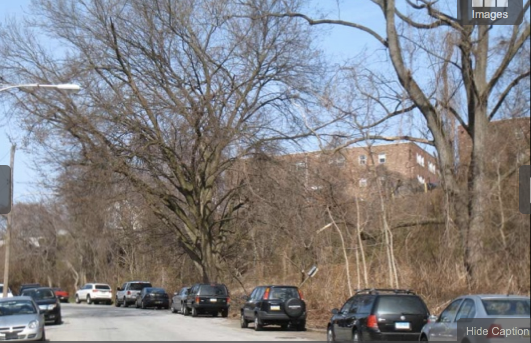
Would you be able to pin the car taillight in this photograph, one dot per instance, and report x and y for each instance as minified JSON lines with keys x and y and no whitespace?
{"x":228,"y":300}
{"x":197,"y":299}
{"x":495,"y":331}
{"x":300,"y":295}
{"x":94,"y":290}
{"x":266,"y":294}
{"x":128,"y":292}
{"x":372,"y":321}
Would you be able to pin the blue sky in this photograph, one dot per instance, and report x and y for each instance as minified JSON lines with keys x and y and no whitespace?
{"x":339,"y":42}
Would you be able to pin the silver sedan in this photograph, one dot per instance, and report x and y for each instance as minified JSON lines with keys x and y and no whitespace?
{"x":21,"y":320}
{"x":481,"y":318}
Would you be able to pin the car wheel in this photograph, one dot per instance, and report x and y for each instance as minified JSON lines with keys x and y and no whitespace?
{"x":116,"y":302}
{"x":89,"y":301}
{"x":77,"y":299}
{"x":125,"y":302}
{"x":257,"y":324}
{"x":330,"y":335}
{"x":215,"y":314}
{"x":301,"y":326}
{"x":244,"y":324}
{"x":43,"y":338}
{"x":173,"y":310}
{"x":143,"y":305}
{"x":58,"y":321}
{"x":194,"y":312}
{"x":423,"y":338}
{"x":182,"y":308}
{"x":225,"y":313}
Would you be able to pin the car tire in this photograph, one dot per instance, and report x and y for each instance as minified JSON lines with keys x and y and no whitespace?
{"x":182,"y":308}
{"x":125,"y":302}
{"x":258,"y":326}
{"x":89,"y":301}
{"x":330,"y":335}
{"x":77,"y":299}
{"x":215,"y":314}
{"x":43,"y":338}
{"x":173,"y":310}
{"x":186,"y":310}
{"x":194,"y":312}
{"x":58,"y":321}
{"x":244,"y":324}
{"x":423,"y":338}
{"x":142,"y":305}
{"x":116,"y":302}
{"x":301,"y":326}
{"x":224,"y":313}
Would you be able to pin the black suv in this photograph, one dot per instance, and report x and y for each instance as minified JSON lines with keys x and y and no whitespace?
{"x":379,"y":315}
{"x":206,"y":298}
{"x":274,"y":305}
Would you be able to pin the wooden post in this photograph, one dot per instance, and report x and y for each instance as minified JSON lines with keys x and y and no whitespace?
{"x":9,"y":226}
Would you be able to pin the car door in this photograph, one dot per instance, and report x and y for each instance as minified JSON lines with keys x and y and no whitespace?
{"x":442,"y":329}
{"x":340,"y":321}
{"x":83,"y":292}
{"x":466,"y":312}
{"x":191,"y":296}
{"x":249,"y":305}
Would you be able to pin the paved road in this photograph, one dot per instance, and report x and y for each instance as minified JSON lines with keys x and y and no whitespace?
{"x":109,"y":323}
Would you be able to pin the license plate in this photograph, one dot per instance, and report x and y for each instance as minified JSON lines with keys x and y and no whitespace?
{"x":213,"y":300}
{"x":11,"y":336}
{"x":275,"y":308}
{"x":402,"y":326}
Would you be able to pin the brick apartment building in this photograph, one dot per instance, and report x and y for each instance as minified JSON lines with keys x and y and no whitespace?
{"x":399,"y":166}
{"x":508,"y":145}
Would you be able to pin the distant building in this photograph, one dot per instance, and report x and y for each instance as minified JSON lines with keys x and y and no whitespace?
{"x":398,"y":166}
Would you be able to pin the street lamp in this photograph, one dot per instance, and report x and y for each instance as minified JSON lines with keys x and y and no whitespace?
{"x":66,"y":87}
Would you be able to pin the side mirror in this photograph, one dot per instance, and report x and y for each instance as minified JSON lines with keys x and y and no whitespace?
{"x":118,"y":289}
{"x":432,"y":319}
{"x":335,"y":311}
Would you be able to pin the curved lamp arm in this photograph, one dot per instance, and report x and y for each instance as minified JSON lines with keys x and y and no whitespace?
{"x":64,"y":86}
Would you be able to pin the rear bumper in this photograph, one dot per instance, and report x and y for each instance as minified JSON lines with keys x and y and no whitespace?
{"x":157,"y":302}
{"x":101,"y":297}
{"x":52,"y":315}
{"x":211,"y":307}
{"x":272,"y":318}
{"x":391,"y":336}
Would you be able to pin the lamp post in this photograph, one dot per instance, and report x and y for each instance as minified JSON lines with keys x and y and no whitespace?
{"x":64,"y":86}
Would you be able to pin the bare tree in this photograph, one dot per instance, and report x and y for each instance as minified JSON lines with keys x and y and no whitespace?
{"x":174,"y":93}
{"x":486,"y":63}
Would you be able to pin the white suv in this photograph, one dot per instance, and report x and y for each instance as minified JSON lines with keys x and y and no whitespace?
{"x":9,"y":293}
{"x":94,"y":293}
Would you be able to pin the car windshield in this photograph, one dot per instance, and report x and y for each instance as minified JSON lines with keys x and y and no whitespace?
{"x":156,"y":291}
{"x":506,"y":307}
{"x":17,"y":307}
{"x":401,"y":304}
{"x":39,"y":294}
{"x":139,"y":286}
{"x":103,"y":287}
{"x":212,"y":290}
{"x":283,"y":293}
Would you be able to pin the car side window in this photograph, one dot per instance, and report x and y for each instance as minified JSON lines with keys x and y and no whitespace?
{"x":354,"y":307}
{"x":365,"y":304}
{"x":467,"y":310}
{"x":260,"y":293}
{"x":449,"y":313}
{"x":346,"y":307}
{"x":252,"y":297}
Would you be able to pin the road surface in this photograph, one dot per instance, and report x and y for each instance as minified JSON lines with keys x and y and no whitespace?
{"x":108,"y":323}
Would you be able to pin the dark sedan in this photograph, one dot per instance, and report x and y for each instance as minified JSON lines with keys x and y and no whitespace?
{"x":48,"y":303}
{"x":179,"y":298}
{"x":153,"y":297}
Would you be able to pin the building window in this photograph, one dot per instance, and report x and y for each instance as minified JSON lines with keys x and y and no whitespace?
{"x":421,"y":160}
{"x":432,"y":168}
{"x":363,"y":160}
{"x":363,"y":183}
{"x":338,"y":161}
{"x":382,"y":158}
{"x":300,"y":166}
{"x":421,"y":179}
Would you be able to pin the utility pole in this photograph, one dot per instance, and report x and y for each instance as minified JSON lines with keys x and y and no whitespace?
{"x":9,"y":226}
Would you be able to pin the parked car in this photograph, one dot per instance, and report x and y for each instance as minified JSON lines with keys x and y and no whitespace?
{"x":274,"y":305}
{"x":205,"y":298}
{"x":379,"y":315}
{"x":21,"y":320}
{"x":153,"y":297}
{"x":9,"y":293}
{"x":178,"y":300}
{"x":94,"y":293}
{"x":126,"y":295}
{"x":61,"y":294}
{"x":481,"y":308}
{"x":28,"y":286}
{"x":48,"y":303}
